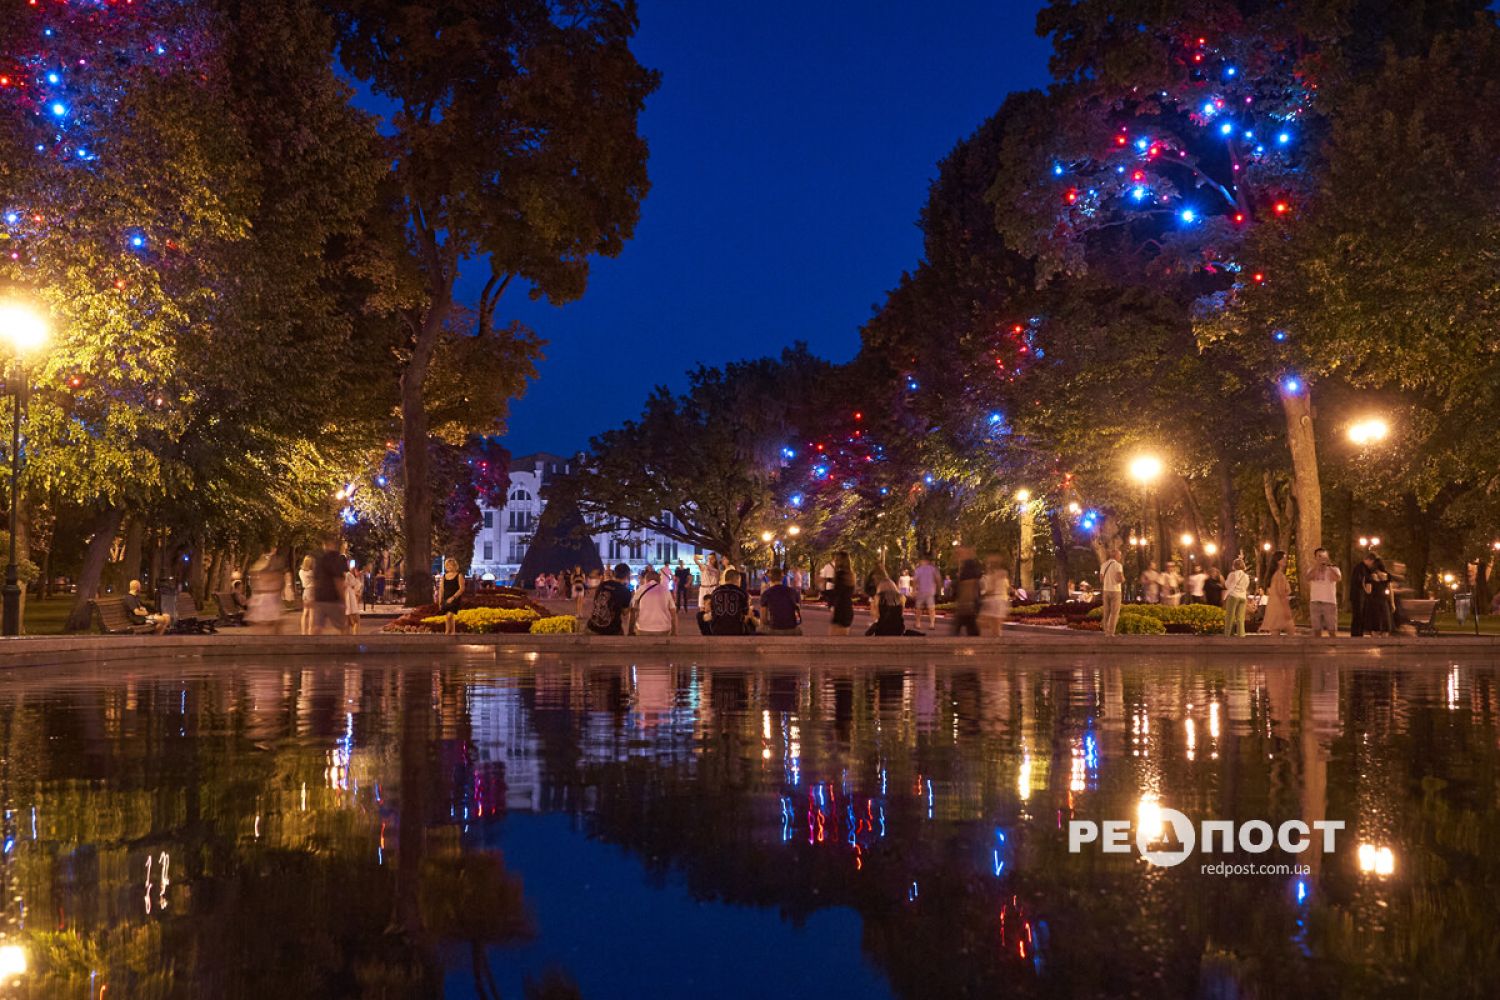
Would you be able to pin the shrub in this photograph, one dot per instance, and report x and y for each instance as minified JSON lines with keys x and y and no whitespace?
{"x":554,"y":625}
{"x":427,"y":619}
{"x":1140,"y":625}
{"x":1025,"y":610}
{"x":1198,"y":619}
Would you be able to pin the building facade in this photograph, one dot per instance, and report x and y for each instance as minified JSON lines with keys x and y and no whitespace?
{"x":506,"y":532}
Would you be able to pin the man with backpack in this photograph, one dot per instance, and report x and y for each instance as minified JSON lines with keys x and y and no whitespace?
{"x":611,"y":604}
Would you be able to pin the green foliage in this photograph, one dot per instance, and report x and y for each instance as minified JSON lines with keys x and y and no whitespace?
{"x":1203,"y":619}
{"x":1138,"y":624}
{"x":555,"y":625}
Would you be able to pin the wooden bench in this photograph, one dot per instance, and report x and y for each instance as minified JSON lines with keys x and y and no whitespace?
{"x":1420,"y":613}
{"x":115,"y":620}
{"x":189,"y":619}
{"x":228,"y":609}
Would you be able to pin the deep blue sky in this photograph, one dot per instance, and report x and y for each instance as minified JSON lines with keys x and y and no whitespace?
{"x":792,"y":144}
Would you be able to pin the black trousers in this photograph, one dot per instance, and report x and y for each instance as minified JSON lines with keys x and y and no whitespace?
{"x":965,"y":624}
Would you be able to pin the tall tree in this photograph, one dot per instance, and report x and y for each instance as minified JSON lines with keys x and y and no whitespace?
{"x":515,"y":144}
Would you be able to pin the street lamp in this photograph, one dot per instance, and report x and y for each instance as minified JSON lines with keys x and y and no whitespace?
{"x":1370,"y":430}
{"x":1028,"y":543}
{"x":25,"y":331}
{"x":1210,"y":549}
{"x":1145,"y":469}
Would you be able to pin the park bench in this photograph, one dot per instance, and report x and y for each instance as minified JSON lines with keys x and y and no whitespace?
{"x":227,"y":614}
{"x":115,"y":620}
{"x":189,"y":619}
{"x":1420,"y":613}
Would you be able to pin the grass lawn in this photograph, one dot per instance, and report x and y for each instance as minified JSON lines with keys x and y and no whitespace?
{"x":46,"y":617}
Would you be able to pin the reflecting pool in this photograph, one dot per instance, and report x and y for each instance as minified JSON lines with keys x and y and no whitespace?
{"x":527,"y":826}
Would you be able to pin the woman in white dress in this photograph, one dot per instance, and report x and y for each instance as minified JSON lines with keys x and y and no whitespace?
{"x":305,"y":575}
{"x":354,"y":589}
{"x":266,"y":574}
{"x":994,"y":604}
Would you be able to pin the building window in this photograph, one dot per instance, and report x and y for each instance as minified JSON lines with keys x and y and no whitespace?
{"x":489,"y":521}
{"x":489,"y":551}
{"x":520,"y":495}
{"x":520,"y":520}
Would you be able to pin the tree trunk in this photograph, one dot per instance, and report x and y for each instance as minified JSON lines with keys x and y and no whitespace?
{"x":105,"y":524}
{"x":1229,"y":537}
{"x":1419,"y":529}
{"x":1306,"y":487}
{"x":1481,"y":586}
{"x":1059,"y":555}
{"x":417,"y":498}
{"x":135,"y":533}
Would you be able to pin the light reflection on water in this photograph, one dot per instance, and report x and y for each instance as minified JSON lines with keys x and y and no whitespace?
{"x":367,"y":828}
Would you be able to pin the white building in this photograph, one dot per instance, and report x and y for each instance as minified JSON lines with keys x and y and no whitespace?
{"x":506,"y":533}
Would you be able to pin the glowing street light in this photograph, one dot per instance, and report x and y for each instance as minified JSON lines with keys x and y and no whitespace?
{"x":1023,"y":496}
{"x":793,"y":530}
{"x":1265,"y":546}
{"x":1145,"y":469}
{"x":1187,"y":539}
{"x":766,"y":536}
{"x":1370,"y":430}
{"x":13,"y":961}
{"x":24,"y":330}
{"x":1376,"y":860}
{"x":1210,"y":549}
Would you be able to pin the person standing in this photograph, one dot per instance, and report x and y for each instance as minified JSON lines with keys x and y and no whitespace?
{"x":1359,"y":578}
{"x":1151,"y":585}
{"x":708,"y":578}
{"x":611,"y":604}
{"x":926,"y":581}
{"x":1278,"y":619}
{"x":354,"y":592}
{"x":305,"y":577}
{"x":266,"y":605}
{"x":1236,"y":594}
{"x":994,"y":601}
{"x":1171,"y":586}
{"x":1111,"y":587}
{"x":826,"y":576}
{"x":328,"y":589}
{"x":1213,"y":588}
{"x":1195,"y":582}
{"x":652,"y":608}
{"x":1323,"y":595}
{"x":966,"y":593}
{"x":841,"y":595}
{"x":683,"y":577}
{"x":452,"y":594}
{"x":1375,"y":611}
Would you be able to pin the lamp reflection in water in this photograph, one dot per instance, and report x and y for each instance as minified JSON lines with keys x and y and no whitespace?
{"x":1376,"y":860}
{"x":13,"y":961}
{"x":1148,"y":818}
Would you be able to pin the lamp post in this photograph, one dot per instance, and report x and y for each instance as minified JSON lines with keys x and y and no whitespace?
{"x":1145,"y":469}
{"x":25,"y":331}
{"x":1363,"y":434}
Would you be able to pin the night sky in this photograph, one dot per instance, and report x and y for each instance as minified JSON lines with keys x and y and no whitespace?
{"x":791,"y":148}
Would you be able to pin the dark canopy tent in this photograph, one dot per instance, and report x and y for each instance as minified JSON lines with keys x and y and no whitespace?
{"x":561,"y":542}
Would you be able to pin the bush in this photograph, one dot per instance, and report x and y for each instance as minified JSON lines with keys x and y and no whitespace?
{"x":554,"y":625}
{"x":1195,"y":619}
{"x":1025,"y":610}
{"x":427,"y":618}
{"x":1133,"y":624}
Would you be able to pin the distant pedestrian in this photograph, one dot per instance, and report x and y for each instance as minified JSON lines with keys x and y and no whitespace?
{"x":328,"y":606}
{"x":841,"y":595}
{"x":451,"y":596}
{"x":1213,"y":588}
{"x":266,"y":576}
{"x":1236,"y":595}
{"x":1375,"y":610}
{"x":354,"y":591}
{"x":1359,"y":579}
{"x":1323,"y":597}
{"x":1278,"y":618}
{"x":925,"y":583}
{"x":994,"y":600}
{"x":1111,"y":586}
{"x":966,"y":593}
{"x":1171,"y":585}
{"x":709,"y":574}
{"x":684,"y":579}
{"x":305,"y":577}
{"x":826,"y":577}
{"x":611,"y":604}
{"x":1196,"y":581}
{"x":904,"y":584}
{"x":1151,"y":585}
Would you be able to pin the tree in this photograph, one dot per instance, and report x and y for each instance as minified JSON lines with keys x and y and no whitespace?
{"x":702,"y":467}
{"x":515,"y":144}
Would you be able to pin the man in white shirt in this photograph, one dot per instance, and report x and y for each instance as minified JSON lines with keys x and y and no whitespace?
{"x":1323,"y":595}
{"x":1236,"y":590}
{"x":825,"y":580}
{"x":1195,"y":581}
{"x":1111,"y":583}
{"x":925,"y":583}
{"x":652,"y":608}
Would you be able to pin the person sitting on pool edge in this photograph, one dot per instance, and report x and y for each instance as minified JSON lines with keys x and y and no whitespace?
{"x":139,"y":613}
{"x":780,"y":611}
{"x":729,"y":614}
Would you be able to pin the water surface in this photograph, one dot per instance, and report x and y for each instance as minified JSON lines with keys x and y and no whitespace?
{"x":534,"y":826}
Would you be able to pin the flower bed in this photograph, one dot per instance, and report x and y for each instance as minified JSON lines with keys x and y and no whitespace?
{"x":554,"y":625}
{"x":428,"y":618}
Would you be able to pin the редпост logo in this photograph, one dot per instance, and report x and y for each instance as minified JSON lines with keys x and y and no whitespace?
{"x":1217,"y":836}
